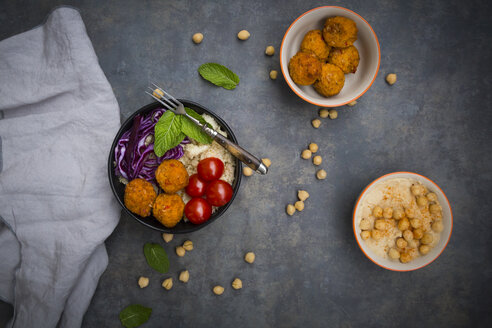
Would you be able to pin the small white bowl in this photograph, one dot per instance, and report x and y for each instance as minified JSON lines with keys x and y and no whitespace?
{"x":355,"y":84}
{"x":421,"y":261}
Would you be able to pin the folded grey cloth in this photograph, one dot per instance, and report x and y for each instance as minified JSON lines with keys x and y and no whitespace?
{"x":58,"y":116}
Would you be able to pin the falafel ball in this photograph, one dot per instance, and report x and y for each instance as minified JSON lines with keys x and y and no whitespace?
{"x":313,"y":41}
{"x":331,"y":81}
{"x":345,"y":58}
{"x":168,"y":209}
{"x":172,"y":176}
{"x":340,"y":31}
{"x":304,"y":68}
{"x":139,"y":197}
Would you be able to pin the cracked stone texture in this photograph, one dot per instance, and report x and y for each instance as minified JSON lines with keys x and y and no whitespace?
{"x":309,"y":271}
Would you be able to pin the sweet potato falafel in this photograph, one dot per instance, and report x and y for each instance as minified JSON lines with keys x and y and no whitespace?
{"x":331,"y":81}
{"x":313,"y":41}
{"x":172,"y":176}
{"x":345,"y":58}
{"x":168,"y":209}
{"x":340,"y":32}
{"x":139,"y":197}
{"x":304,"y":68}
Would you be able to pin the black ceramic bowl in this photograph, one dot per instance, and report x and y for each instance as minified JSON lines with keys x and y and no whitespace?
{"x":119,"y":188}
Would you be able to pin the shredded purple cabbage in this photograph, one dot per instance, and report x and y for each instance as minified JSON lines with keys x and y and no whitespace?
{"x":141,"y":161}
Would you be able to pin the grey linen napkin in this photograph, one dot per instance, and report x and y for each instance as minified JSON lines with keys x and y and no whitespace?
{"x":58,"y":118}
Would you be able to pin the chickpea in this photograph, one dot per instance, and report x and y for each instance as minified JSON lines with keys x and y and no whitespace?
{"x":197,"y":38}
{"x":424,"y":249}
{"x":413,"y":252}
{"x":427,"y":239}
{"x":352,"y":103}
{"x":388,"y":213}
{"x":418,"y":233}
{"x":317,"y":160}
{"x":188,"y":245}
{"x":266,"y":161}
{"x":410,"y":213}
{"x":306,"y":154}
{"x":432,"y":197}
{"x":365,"y":234}
{"x":377,"y":212}
{"x":405,"y":258}
{"x":403,"y":224}
{"x":249,"y":257}
{"x":321,"y":174}
{"x":416,"y":223}
{"x":269,"y":51}
{"x":302,"y":195}
{"x":380,"y":224}
{"x":184,"y":276}
{"x":180,"y":251}
{"x":333,"y":114}
{"x":408,"y":235}
{"x":376,"y":234}
{"x":323,"y":113}
{"x":247,"y":171}
{"x":237,"y":284}
{"x":438,"y":226}
{"x":365,"y":224}
{"x":391,"y":78}
{"x":316,"y":123}
{"x":434,"y":208}
{"x":437,"y":216}
{"x":313,"y":147}
{"x":168,"y":283}
{"x":218,"y":290}
{"x":158,"y":93}
{"x":417,"y":189}
{"x":167,"y":237}
{"x":422,"y":201}
{"x":290,"y":209}
{"x":273,"y":74}
{"x":243,"y":35}
{"x":398,"y":214}
{"x":413,"y":243}
{"x":394,"y":253}
{"x":299,"y":205}
{"x":143,"y":282}
{"x":401,"y":243}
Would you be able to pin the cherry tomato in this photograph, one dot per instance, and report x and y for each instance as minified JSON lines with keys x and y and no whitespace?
{"x":218,"y":193}
{"x":196,"y":186}
{"x":197,"y":210}
{"x":210,"y":168}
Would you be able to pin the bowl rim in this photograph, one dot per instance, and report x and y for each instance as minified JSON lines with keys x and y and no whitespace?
{"x":237,"y":173}
{"x":314,"y":102}
{"x":378,"y":180}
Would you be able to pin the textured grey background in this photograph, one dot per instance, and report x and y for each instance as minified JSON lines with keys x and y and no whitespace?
{"x":309,"y":270}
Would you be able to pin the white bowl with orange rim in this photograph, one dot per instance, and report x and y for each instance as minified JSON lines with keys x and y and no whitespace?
{"x":420,"y":261}
{"x":355,"y":84}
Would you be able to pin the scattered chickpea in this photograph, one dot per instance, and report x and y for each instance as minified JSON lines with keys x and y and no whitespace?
{"x":168,"y":283}
{"x":403,"y":224}
{"x":401,"y":243}
{"x":391,"y":78}
{"x":388,"y":213}
{"x":377,"y":212}
{"x":143,"y":282}
{"x":197,"y":38}
{"x":333,"y":114}
{"x":243,"y":35}
{"x":218,"y":290}
{"x":424,"y":249}
{"x":376,"y":234}
{"x":273,"y":74}
{"x":299,"y":205}
{"x":352,"y":103}
{"x":266,"y":161}
{"x":405,"y":258}
{"x":321,"y":174}
{"x":247,"y":171}
{"x":180,"y":251}
{"x":323,"y":113}
{"x":269,"y":51}
{"x":394,"y":253}
{"x":438,"y":226}
{"x":302,"y":195}
{"x":365,"y":234}
{"x":167,"y":237}
{"x":306,"y":154}
{"x":313,"y":147}
{"x":408,"y":235}
{"x":317,"y":160}
{"x":188,"y":245}
{"x":416,"y":223}
{"x":237,"y":284}
{"x":365,"y":224}
{"x":418,"y":233}
{"x":184,"y":276}
{"x":434,"y":208}
{"x":380,"y":224}
{"x":398,"y":214}
{"x":158,"y":93}
{"x":290,"y":209}
{"x":249,"y":257}
{"x":427,"y":239}
{"x":316,"y":123}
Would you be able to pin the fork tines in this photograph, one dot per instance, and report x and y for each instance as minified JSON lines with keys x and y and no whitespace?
{"x":164,"y":98}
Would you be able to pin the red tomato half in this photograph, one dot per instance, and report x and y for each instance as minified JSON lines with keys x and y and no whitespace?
{"x":218,"y":193}
{"x":210,"y":168}
{"x":197,"y":210}
{"x":196,"y":186}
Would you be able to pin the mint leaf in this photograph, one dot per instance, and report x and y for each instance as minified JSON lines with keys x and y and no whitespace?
{"x":219,"y":75}
{"x":167,"y":133}
{"x":156,"y":257}
{"x":134,"y":315}
{"x":192,"y":130}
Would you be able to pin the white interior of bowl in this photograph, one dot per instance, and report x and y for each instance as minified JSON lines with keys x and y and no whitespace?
{"x":355,"y":84}
{"x":421,"y":260}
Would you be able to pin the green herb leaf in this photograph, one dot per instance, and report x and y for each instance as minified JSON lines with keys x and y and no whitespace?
{"x":192,"y":130}
{"x":134,"y":315}
{"x":156,"y":257}
{"x":219,"y":75}
{"x":167,"y":133}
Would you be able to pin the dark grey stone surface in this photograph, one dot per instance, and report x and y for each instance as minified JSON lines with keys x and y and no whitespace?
{"x":309,"y":271}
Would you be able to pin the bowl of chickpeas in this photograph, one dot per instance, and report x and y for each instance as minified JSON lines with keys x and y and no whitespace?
{"x":402,"y":221}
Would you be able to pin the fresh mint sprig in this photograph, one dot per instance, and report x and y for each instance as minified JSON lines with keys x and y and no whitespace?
{"x":219,"y":75}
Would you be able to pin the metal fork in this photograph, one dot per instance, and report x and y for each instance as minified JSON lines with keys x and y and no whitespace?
{"x":174,"y":105}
